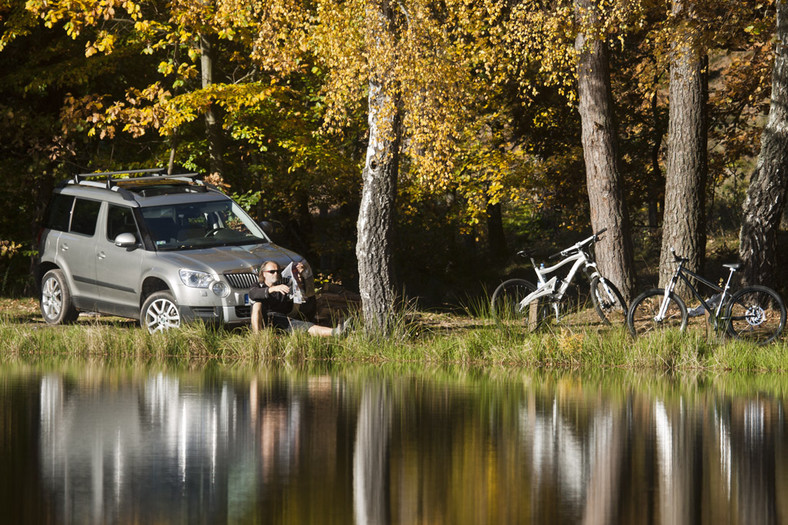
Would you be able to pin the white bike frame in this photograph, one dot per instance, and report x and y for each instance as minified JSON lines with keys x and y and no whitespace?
{"x":549,"y":287}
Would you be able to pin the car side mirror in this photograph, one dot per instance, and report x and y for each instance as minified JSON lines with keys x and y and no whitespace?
{"x":126,"y":240}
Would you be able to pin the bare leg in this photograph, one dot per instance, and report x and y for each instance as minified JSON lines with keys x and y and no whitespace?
{"x":320,"y":331}
{"x":257,"y":317}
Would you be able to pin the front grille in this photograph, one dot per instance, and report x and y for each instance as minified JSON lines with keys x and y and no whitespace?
{"x":241,"y":280}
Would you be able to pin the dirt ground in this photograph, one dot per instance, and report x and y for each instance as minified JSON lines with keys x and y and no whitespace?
{"x":23,"y":310}
{"x":332,"y":305}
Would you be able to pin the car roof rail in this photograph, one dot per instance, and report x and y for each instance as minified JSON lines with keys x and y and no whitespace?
{"x":112,"y":178}
{"x":147,"y":174}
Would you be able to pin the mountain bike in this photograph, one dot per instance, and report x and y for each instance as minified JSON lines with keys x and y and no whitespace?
{"x":522,"y":300}
{"x":755,"y":313}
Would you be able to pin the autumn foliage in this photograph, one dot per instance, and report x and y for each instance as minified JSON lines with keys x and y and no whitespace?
{"x":490,"y":150}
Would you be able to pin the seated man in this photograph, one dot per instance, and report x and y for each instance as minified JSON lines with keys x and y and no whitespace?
{"x":272,"y":304}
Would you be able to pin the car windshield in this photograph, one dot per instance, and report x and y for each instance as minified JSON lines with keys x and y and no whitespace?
{"x":197,"y":225}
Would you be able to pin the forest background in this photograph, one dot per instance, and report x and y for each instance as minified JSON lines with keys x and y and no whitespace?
{"x":476,"y":105}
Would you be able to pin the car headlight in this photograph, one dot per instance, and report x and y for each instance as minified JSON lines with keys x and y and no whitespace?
{"x":195,"y":279}
{"x":220,"y":289}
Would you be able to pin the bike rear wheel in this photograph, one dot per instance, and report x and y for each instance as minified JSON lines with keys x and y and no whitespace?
{"x":505,"y":302}
{"x":608,"y":301}
{"x":755,"y":313}
{"x":641,"y":318}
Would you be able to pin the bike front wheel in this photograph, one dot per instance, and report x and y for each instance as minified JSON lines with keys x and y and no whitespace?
{"x":755,"y":313}
{"x":608,"y":301}
{"x":506,"y":299}
{"x":642,"y":316}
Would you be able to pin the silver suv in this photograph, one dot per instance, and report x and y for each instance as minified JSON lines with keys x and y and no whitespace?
{"x":163,"y":249}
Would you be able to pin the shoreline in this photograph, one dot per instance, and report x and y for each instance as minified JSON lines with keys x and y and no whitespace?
{"x":420,"y":337}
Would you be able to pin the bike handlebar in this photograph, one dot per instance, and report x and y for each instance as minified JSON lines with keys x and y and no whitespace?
{"x":577,"y":246}
{"x":572,"y":249}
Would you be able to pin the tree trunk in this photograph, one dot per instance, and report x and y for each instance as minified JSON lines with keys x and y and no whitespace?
{"x":496,"y":240}
{"x":766,"y":195}
{"x":683,"y":226}
{"x":656,"y":185}
{"x":600,"y":152}
{"x":374,"y":246}
{"x":213,"y":115}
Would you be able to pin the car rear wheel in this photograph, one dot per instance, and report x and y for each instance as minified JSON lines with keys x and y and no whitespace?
{"x":56,"y":304}
{"x":160,"y":312}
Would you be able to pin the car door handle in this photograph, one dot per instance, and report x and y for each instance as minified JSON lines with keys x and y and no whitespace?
{"x":101,"y":255}
{"x":64,"y":247}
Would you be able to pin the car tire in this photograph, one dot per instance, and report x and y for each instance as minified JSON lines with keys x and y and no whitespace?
{"x":160,"y":312}
{"x":57,"y":306}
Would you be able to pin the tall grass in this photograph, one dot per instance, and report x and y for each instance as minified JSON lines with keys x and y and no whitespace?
{"x":418,"y":338}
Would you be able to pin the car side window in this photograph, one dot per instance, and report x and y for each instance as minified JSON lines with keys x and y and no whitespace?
{"x":59,"y":215}
{"x":120,"y":219}
{"x":85,"y":216}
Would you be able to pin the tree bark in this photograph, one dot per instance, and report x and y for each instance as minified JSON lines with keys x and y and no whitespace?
{"x":766,"y":195}
{"x":496,"y":240}
{"x":683,"y":227}
{"x":656,"y":185}
{"x":374,"y":246}
{"x":600,"y":152}
{"x":213,"y":115}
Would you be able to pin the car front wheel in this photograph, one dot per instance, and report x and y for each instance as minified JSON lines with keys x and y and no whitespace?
{"x":160,"y":312}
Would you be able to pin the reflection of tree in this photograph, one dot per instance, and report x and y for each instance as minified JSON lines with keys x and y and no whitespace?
{"x":22,"y":494}
{"x":609,"y":448}
{"x":680,"y":451}
{"x":581,"y":448}
{"x":370,"y":456}
{"x":717,"y":460}
{"x":753,"y":453}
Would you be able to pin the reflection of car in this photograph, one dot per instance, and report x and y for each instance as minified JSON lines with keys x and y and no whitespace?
{"x":145,"y":245}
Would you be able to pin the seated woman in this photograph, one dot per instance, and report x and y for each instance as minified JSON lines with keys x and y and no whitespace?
{"x":272,"y":304}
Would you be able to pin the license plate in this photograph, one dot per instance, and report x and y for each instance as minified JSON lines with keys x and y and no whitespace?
{"x":246,"y":300}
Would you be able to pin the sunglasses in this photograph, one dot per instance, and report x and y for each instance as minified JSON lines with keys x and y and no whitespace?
{"x":270,"y":271}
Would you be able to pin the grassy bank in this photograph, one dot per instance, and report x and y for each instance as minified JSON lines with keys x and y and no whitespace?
{"x":421,"y":338}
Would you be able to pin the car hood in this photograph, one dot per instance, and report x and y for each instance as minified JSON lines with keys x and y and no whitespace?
{"x":230,"y":258}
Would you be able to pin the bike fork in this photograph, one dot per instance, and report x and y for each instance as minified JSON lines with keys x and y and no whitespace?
{"x":663,"y":308}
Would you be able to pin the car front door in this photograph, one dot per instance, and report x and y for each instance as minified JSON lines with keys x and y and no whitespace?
{"x":118,"y":268}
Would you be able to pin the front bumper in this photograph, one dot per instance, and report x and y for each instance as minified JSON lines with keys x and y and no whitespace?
{"x":237,"y":312}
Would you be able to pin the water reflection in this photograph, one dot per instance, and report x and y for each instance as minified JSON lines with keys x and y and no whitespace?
{"x":105,"y":450}
{"x":369,"y":457}
{"x":371,"y":448}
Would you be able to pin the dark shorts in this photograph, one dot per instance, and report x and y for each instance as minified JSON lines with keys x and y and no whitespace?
{"x":288,"y":324}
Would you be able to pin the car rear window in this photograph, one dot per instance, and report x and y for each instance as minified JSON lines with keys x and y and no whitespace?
{"x":59,"y":214}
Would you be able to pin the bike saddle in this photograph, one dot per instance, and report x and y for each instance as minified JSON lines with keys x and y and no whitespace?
{"x":678,"y":258}
{"x":732,"y":266}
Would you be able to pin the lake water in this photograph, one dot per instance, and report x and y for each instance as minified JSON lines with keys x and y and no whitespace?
{"x":87,"y":443}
